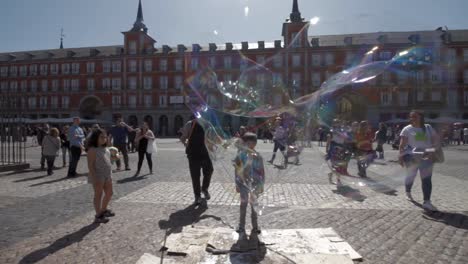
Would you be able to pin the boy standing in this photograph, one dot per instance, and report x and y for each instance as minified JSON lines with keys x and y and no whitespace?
{"x":249,"y":179}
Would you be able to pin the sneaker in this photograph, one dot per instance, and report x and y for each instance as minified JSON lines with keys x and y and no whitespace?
{"x":127,"y":169}
{"x":197,"y":201}
{"x":409,"y":197}
{"x":427,"y":205}
{"x":270,"y":161}
{"x":207,"y":195}
{"x":136,"y":174}
{"x":100,"y":219}
{"x":108,"y":213}
{"x":256,"y":230}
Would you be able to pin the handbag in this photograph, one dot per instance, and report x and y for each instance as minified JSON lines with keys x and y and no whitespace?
{"x":151,"y":147}
{"x":438,"y":156}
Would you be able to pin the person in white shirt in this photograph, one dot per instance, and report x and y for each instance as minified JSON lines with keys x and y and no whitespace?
{"x":416,"y":141}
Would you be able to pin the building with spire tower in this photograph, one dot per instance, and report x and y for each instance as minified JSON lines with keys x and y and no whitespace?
{"x":142,"y":81}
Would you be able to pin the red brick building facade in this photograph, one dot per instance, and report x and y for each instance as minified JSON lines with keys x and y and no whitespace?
{"x":142,"y":82}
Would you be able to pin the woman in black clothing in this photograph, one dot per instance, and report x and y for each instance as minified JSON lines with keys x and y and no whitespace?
{"x":65,"y":145}
{"x":144,"y":141}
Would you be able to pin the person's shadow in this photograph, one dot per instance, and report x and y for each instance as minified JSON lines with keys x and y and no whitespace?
{"x":58,"y":244}
{"x":248,"y":250}
{"x":351,"y":193}
{"x":187,"y":216}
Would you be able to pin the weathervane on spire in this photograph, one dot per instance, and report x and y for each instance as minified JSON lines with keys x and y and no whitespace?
{"x":61,"y":38}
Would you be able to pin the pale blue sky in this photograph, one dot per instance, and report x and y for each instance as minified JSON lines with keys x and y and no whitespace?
{"x":35,"y":24}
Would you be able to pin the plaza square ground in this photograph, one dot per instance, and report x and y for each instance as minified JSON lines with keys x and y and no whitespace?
{"x":48,"y":219}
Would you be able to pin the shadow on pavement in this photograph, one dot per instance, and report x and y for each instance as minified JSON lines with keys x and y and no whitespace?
{"x":380,"y":187}
{"x":31,"y":179}
{"x":456,"y":220}
{"x":131,"y":179}
{"x":58,"y":245}
{"x":49,"y":182}
{"x":248,"y":250}
{"x":351,"y":193}
{"x":24,"y":171}
{"x":187,"y":216}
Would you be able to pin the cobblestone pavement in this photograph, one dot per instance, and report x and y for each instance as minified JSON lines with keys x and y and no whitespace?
{"x":47,"y":219}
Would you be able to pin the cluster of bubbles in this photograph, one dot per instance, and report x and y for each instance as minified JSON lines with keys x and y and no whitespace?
{"x":250,"y":96}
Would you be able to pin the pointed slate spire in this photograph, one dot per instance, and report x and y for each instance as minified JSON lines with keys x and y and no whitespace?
{"x":61,"y":38}
{"x":139,"y":25}
{"x":295,"y":15}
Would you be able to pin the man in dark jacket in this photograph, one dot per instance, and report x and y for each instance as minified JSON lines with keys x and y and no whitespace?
{"x":193,"y":137}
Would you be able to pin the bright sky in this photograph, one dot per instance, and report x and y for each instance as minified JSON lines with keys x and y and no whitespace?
{"x":36,"y":24}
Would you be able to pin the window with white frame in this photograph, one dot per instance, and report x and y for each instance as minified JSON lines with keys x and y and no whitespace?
{"x":465,"y":76}
{"x":385,"y":55}
{"x":163,"y":100}
{"x":66,"y":68}
{"x":4,"y":86}
{"x":23,"y":71}
{"x":465,"y":55}
{"x":179,"y":82}
{"x":44,"y":86}
{"x":349,"y":58}
{"x":116,"y":100}
{"x":436,"y":95}
{"x":452,"y":76}
{"x":179,"y":66}
{"x":116,"y":66}
{"x":228,"y":62}
{"x":91,"y":84}
{"x":296,"y":40}
{"x":451,"y":97}
{"x":329,"y":59}
{"x":163,"y":65}
{"x":194,"y":64}
{"x":132,"y":101}
{"x":163,"y":82}
{"x":43,"y":102}
{"x":106,"y":66}
{"x":33,"y":70}
{"x":296,"y":60}
{"x":43,"y":69}
{"x":451,"y":55}
{"x":132,"y":64}
{"x":402,"y":77}
{"x":32,"y":102}
{"x":66,"y":85}
{"x":278,"y":61}
{"x":316,"y":59}
{"x":132,"y":83}
{"x":147,"y":83}
{"x":419,"y":95}
{"x":148,"y":100}
{"x":296,"y":81}
{"x":4,"y":71}
{"x":116,"y":84}
{"x":403,"y":98}
{"x":33,"y":86}
{"x":90,"y":67}
{"x":420,"y":77}
{"x":65,"y":101}
{"x":75,"y":85}
{"x":54,"y":101}
{"x":13,"y":71}
{"x":436,"y":76}
{"x":465,"y":98}
{"x":14,"y":86}
{"x":24,"y":86}
{"x":277,"y":78}
{"x":106,"y":83}
{"x":54,"y":68}
{"x":75,"y":68}
{"x":132,"y":46}
{"x":55,"y":85}
{"x":148,"y":65}
{"x":386,"y":98}
{"x":243,"y":64}
{"x":316,"y":79}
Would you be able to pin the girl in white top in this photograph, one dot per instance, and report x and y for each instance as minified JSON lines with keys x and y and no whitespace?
{"x":416,"y":144}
